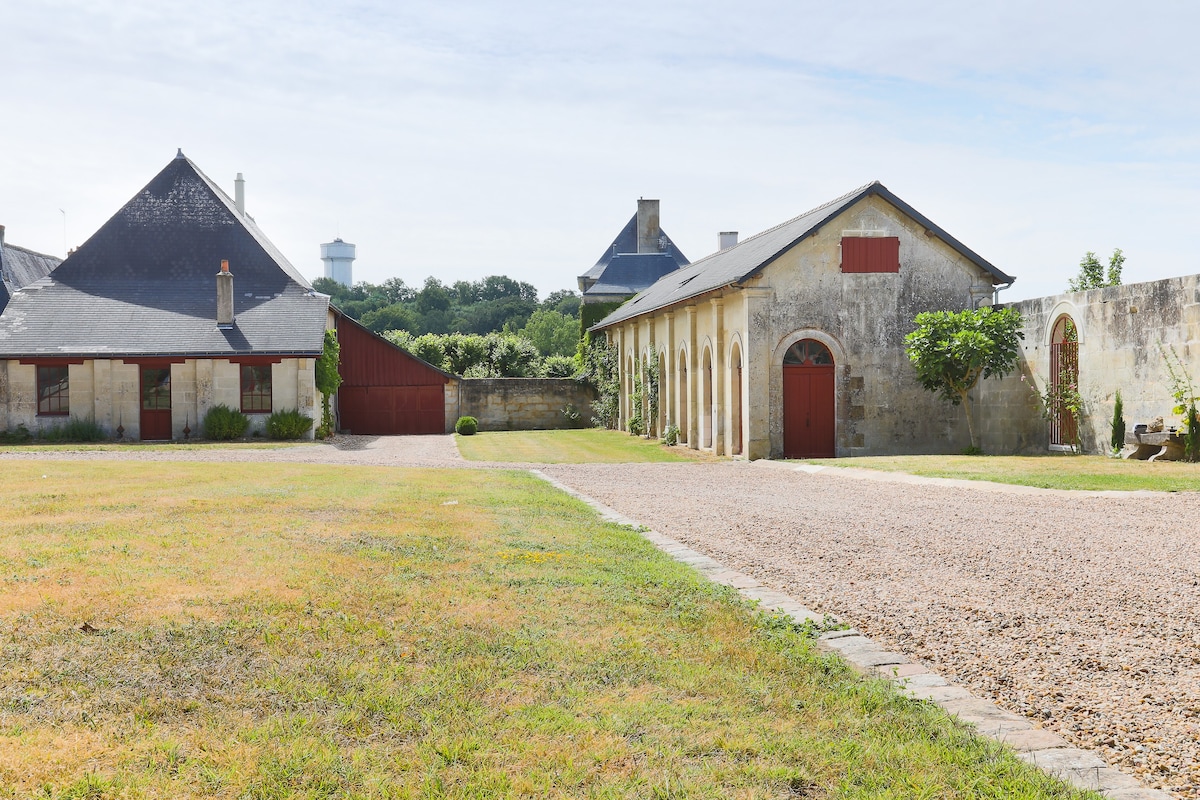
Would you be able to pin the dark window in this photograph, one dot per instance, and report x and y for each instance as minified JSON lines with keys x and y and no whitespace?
{"x":256,"y":389}
{"x":870,"y":254}
{"x":54,"y":396}
{"x":808,"y":351}
{"x":156,"y":389}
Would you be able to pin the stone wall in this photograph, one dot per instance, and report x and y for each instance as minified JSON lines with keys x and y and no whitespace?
{"x":1123,"y":331}
{"x":521,"y":404}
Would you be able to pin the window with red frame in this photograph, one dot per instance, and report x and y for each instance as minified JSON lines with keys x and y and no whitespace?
{"x":870,"y":254}
{"x":256,"y":389}
{"x":54,"y":396}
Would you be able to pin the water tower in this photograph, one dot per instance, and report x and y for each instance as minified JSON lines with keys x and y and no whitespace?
{"x":339,"y":261}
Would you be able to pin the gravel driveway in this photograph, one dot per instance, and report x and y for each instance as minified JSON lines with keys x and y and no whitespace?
{"x":1080,"y":610}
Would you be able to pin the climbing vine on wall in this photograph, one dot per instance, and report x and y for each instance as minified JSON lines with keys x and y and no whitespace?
{"x":650,"y":370}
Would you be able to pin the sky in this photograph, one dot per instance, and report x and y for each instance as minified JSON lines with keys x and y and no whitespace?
{"x":466,"y":139}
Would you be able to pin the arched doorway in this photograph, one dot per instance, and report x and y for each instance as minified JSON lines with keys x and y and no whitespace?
{"x":735,"y":377}
{"x":706,"y":403}
{"x":683,"y":395}
{"x":808,"y":407}
{"x":1064,"y":379}
{"x":664,"y":395}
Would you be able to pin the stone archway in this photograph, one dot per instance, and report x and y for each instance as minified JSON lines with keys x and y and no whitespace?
{"x":735,"y":399}
{"x":1063,"y":379}
{"x":706,"y":400}
{"x":809,"y":418}
{"x":682,"y":394}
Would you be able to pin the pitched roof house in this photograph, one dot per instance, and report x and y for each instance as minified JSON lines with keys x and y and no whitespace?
{"x":20,"y":267}
{"x":640,"y":255}
{"x":791,"y":343}
{"x":137,"y":330}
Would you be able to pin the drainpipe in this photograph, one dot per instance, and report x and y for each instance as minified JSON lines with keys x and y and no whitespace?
{"x":999,"y":289}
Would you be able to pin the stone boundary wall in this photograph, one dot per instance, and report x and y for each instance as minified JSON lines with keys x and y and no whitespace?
{"x":522,"y":404}
{"x":1122,"y":333}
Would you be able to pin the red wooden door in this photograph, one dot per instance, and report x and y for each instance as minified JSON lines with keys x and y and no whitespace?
{"x":808,"y":412}
{"x":156,"y":403}
{"x":390,"y":410}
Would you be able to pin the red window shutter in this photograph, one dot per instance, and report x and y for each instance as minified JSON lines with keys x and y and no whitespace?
{"x":870,"y":254}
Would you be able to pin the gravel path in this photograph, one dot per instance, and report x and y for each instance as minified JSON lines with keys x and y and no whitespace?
{"x":1079,"y":610}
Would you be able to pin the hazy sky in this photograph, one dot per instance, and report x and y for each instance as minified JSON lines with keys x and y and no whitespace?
{"x":463,"y":139}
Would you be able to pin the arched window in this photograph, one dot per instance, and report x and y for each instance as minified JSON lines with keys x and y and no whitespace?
{"x":808,"y":351}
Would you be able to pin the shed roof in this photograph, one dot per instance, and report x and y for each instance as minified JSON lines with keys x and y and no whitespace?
{"x":144,"y":284}
{"x":738,"y":263}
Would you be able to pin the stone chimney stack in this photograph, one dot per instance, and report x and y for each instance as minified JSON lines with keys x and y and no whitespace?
{"x":239,"y":194}
{"x":726,"y":239}
{"x":648,"y":231}
{"x":224,"y":296}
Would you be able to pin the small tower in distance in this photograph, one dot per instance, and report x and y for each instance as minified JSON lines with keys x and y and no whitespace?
{"x":339,"y":261}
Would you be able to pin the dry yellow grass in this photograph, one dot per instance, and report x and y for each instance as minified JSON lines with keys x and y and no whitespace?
{"x":250,"y":631}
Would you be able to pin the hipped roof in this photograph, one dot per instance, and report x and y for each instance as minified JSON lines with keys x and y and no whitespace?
{"x":736,"y":264}
{"x":145,"y":284}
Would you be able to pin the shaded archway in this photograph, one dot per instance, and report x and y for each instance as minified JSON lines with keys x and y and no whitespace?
{"x":682,"y":395}
{"x":706,"y":401}
{"x":735,"y":399}
{"x":1064,"y":380}
{"x":808,"y":401}
{"x":665,"y":395}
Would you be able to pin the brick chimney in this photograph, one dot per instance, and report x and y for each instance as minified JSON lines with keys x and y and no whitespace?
{"x":648,"y":230}
{"x":224,"y":297}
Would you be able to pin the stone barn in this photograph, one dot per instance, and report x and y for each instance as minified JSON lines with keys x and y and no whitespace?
{"x":791,"y":342}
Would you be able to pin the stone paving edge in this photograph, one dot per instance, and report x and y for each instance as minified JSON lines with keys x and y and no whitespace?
{"x":1038,"y":746}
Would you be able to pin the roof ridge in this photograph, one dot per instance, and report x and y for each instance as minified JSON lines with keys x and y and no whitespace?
{"x":10,"y":246}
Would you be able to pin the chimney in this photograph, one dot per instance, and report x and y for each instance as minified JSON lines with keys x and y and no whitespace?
{"x":224,"y":297}
{"x":1,"y":236}
{"x":726,"y":239}
{"x":648,"y":232}
{"x":239,"y":194}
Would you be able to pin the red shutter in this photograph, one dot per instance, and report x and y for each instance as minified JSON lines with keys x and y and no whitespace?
{"x":870,"y":254}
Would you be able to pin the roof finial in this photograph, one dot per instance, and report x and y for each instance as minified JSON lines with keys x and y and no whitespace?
{"x":180,"y":153}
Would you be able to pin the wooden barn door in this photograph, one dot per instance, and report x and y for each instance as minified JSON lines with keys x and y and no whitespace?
{"x":809,"y":419}
{"x":156,"y":403}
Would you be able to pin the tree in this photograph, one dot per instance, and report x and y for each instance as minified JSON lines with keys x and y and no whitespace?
{"x":1091,"y":272}
{"x":952,"y":350}
{"x":553,"y":333}
{"x":328,"y":380}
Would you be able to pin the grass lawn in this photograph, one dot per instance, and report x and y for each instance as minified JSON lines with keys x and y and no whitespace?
{"x":265,"y":444}
{"x":174,"y":630}
{"x":588,"y":445}
{"x":1049,"y":471}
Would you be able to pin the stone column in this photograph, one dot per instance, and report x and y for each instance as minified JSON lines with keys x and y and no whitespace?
{"x":720,"y":381}
{"x":757,"y":352}
{"x":691,"y":390}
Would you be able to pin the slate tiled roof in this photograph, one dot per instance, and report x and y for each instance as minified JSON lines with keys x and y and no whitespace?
{"x":20,"y":267}
{"x":145,"y":284}
{"x":633,"y":276}
{"x":738,"y":263}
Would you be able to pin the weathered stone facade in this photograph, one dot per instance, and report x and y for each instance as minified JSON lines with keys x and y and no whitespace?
{"x":1122,"y":334}
{"x":721,"y":353}
{"x":109,"y":391}
{"x":517,"y":404}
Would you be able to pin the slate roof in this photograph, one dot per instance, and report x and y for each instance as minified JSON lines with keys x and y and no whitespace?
{"x":745,"y":259}
{"x":630,"y":276}
{"x":145,"y":284}
{"x":20,"y":267}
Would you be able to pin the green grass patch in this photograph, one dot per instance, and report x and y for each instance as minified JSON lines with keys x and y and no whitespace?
{"x":196,"y":630}
{"x":77,"y":447}
{"x":1048,"y":472}
{"x":587,"y":445}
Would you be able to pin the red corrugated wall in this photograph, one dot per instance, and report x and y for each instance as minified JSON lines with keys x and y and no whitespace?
{"x":385,"y":390}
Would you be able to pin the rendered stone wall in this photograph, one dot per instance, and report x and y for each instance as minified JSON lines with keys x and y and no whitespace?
{"x":518,"y":404}
{"x":1123,"y":331}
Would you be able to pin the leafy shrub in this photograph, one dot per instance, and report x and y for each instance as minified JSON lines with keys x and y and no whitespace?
{"x":19,"y":436}
{"x":558,"y":367}
{"x":223,"y":423}
{"x":75,"y":429}
{"x":671,"y":435}
{"x":288,"y":424}
{"x":1118,"y":424}
{"x":466,"y":426}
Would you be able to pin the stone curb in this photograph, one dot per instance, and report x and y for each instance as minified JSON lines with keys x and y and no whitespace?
{"x":1040,"y":747}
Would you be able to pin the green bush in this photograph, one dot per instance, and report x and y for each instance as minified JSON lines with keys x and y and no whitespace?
{"x":559,"y":367}
{"x":466,"y":426}
{"x":75,"y":429}
{"x":19,"y":436}
{"x":222,"y":423}
{"x":288,"y":424}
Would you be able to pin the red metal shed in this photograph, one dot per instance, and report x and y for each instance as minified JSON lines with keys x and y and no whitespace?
{"x":386,"y":390}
